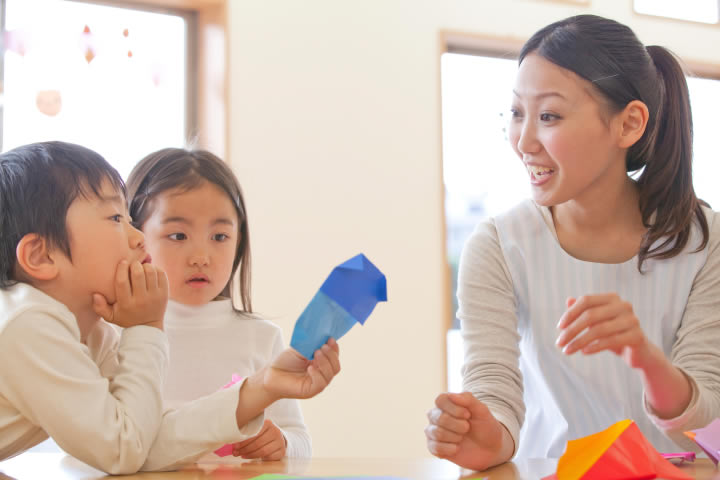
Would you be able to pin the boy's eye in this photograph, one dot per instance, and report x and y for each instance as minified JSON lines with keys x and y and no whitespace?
{"x":177,"y":236}
{"x":220,"y":237}
{"x":116,"y":218}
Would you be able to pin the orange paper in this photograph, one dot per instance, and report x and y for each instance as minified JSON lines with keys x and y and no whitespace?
{"x":619,"y":452}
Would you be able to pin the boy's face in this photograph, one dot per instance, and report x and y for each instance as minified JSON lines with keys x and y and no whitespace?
{"x":100,"y":237}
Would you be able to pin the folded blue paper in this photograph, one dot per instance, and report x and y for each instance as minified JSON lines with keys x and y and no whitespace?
{"x":347,"y":296}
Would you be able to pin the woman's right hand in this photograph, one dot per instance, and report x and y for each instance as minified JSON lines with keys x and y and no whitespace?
{"x":462,"y":429}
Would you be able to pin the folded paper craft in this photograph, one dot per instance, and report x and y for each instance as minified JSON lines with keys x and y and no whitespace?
{"x":348,"y":296}
{"x":708,"y":438}
{"x":620,"y":452}
{"x":679,"y":457}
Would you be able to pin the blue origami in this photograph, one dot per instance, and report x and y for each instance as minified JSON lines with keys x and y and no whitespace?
{"x":347,"y":297}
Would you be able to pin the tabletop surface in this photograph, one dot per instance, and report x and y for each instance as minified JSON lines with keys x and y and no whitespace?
{"x":32,"y":465}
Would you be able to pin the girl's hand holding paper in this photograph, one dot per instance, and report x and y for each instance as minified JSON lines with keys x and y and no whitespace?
{"x":293,"y":376}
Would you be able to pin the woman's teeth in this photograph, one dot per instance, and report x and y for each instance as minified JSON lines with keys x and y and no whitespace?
{"x":539,"y":171}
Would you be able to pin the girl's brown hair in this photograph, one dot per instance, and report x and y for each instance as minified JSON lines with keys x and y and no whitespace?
{"x":176,"y":168}
{"x":621,"y":69}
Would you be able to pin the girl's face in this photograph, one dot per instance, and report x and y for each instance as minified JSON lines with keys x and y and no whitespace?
{"x":193,"y":235}
{"x":560,"y":133}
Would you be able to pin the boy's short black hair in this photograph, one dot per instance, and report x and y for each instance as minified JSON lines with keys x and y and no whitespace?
{"x":38,"y":182}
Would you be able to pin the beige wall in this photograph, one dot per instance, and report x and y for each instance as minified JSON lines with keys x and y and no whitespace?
{"x":334,"y":131}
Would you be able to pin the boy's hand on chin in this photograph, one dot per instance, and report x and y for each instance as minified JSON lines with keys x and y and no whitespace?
{"x":293,"y":376}
{"x":141,"y":295}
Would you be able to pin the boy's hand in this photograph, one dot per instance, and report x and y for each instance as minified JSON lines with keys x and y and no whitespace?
{"x":462,"y":429}
{"x":269,"y":444}
{"x":141,"y":294}
{"x":293,"y":376}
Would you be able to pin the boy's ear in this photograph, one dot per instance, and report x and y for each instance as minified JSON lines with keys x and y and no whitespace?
{"x":35,"y":258}
{"x":634,"y":119}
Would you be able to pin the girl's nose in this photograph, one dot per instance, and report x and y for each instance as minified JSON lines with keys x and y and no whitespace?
{"x":199,"y":259}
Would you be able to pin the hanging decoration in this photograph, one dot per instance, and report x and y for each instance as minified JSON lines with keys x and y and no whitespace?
{"x":87,"y":43}
{"x":49,"y":102}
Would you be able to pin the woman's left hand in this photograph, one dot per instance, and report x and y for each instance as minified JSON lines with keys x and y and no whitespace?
{"x":594,"y":323}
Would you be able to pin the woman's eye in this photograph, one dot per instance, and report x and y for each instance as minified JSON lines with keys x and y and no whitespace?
{"x":177,"y":236}
{"x":547,"y":117}
{"x":515,"y":113}
{"x":220,"y":237}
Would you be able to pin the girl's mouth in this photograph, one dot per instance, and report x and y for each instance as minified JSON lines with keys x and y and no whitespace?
{"x":198,"y":281}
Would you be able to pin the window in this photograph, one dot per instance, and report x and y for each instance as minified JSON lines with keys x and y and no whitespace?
{"x":705,"y":11}
{"x":112,"y":79}
{"x":482,"y":175}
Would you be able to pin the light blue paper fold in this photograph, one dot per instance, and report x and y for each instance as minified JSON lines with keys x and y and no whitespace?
{"x":347,"y":296}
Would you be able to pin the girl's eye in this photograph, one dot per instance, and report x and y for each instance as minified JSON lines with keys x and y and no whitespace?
{"x":177,"y":236}
{"x":220,"y":237}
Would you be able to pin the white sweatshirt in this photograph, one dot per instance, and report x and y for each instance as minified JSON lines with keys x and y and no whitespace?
{"x":99,"y":400}
{"x":210,"y":343}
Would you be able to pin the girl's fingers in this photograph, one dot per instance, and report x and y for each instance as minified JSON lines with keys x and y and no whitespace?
{"x":262,"y":449}
{"x":333,"y":358}
{"x":323,"y":364}
{"x":602,"y":330}
{"x":276,"y":455}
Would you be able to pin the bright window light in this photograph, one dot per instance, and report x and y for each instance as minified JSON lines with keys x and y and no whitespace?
{"x":111,"y":79}
{"x":705,"y":11}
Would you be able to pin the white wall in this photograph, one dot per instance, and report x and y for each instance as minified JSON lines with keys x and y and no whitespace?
{"x":335,"y":136}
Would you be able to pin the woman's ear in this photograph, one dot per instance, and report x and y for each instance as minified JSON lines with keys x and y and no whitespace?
{"x":634,"y":120}
{"x":35,"y":259}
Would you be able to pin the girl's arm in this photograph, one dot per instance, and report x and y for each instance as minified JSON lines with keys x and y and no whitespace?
{"x":287,"y":415}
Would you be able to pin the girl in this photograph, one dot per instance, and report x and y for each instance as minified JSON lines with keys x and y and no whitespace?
{"x":191,"y":209}
{"x":603,"y":291}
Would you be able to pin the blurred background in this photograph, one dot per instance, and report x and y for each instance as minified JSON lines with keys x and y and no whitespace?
{"x":374,"y":126}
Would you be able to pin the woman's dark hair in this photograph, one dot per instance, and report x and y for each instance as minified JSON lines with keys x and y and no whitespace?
{"x":176,"y":168}
{"x":621,"y":69}
{"x":38,"y":183}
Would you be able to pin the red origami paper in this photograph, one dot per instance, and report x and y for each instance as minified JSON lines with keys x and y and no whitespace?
{"x":620,"y":452}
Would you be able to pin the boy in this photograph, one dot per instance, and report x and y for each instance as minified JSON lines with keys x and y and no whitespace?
{"x":68,"y":256}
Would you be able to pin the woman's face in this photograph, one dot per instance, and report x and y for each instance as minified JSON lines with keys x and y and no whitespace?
{"x":562,"y":134}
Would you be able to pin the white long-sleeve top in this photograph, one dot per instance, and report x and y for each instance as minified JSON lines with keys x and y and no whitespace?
{"x":209,"y":343}
{"x":513,"y":281}
{"x":99,"y":400}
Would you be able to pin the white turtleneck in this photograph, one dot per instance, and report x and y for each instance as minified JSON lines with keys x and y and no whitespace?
{"x":209,"y":343}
